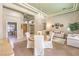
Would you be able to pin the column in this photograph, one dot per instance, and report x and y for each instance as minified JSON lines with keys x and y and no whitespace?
{"x":1,"y":21}
{"x":39,"y":18}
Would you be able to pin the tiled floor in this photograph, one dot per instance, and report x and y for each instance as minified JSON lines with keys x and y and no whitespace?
{"x":20,"y":49}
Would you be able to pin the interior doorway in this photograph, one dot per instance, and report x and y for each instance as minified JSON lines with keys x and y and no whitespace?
{"x":24,"y":27}
{"x":12,"y":31}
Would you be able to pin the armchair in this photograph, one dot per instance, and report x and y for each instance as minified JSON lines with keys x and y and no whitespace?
{"x":30,"y":43}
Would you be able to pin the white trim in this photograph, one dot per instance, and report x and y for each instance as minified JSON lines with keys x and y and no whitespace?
{"x":18,"y":8}
{"x":34,"y":11}
{"x":25,"y":6}
{"x":75,"y":6}
{"x":32,"y":8}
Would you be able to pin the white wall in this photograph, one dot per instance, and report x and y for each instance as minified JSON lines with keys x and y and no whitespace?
{"x":1,"y":22}
{"x":13,"y":16}
{"x":64,"y":19}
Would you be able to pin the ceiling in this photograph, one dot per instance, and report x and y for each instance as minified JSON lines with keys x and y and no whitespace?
{"x":52,"y":8}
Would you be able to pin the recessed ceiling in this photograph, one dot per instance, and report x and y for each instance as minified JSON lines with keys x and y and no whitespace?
{"x":28,"y":17}
{"x":52,"y":8}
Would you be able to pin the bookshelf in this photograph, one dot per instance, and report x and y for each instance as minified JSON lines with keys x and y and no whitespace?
{"x":31,"y":29}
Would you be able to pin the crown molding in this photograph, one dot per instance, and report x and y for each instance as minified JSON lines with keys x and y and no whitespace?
{"x":28,"y":9}
{"x":74,"y":8}
{"x":18,"y":8}
{"x":33,"y":8}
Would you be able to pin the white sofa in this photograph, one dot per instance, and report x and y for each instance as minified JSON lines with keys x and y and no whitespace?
{"x":73,"y":40}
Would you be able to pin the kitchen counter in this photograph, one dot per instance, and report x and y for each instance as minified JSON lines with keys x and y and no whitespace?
{"x":5,"y":48}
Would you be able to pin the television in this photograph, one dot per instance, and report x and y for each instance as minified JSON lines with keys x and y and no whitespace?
{"x":74,"y":26}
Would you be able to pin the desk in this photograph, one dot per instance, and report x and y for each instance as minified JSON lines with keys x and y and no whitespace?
{"x":5,"y":48}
